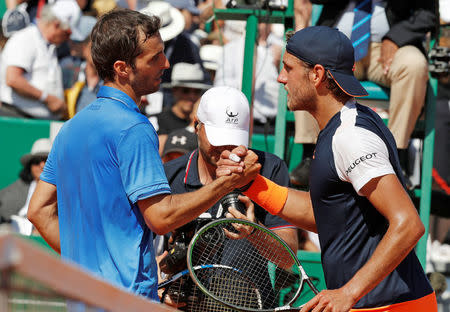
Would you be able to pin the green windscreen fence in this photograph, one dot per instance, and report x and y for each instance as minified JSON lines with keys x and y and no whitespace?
{"x":16,"y":138}
{"x":2,"y":8}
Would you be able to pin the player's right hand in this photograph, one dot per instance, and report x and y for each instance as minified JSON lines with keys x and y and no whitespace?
{"x":243,"y":172}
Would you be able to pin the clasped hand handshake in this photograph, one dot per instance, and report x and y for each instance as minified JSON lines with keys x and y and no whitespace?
{"x":240,"y":164}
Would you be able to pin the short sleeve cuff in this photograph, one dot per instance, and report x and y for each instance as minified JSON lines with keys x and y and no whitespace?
{"x":46,"y":178}
{"x":149,"y":191}
{"x":374,"y":173}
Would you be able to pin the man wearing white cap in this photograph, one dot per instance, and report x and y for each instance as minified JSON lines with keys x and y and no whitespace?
{"x":31,"y":78}
{"x":222,"y":122}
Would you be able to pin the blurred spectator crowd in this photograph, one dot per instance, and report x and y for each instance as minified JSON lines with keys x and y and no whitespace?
{"x":56,"y":78}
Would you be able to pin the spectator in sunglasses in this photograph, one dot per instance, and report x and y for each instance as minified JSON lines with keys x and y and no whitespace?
{"x":188,"y":84}
{"x":15,"y":197}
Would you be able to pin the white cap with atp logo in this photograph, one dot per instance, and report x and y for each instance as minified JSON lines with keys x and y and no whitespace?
{"x":225,"y":113}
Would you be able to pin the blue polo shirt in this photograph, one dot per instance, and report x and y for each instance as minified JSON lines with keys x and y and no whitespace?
{"x":353,"y":148}
{"x":102,"y":162}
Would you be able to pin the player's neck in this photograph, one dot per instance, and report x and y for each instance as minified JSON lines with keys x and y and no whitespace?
{"x":325,"y":110}
{"x":125,"y":88}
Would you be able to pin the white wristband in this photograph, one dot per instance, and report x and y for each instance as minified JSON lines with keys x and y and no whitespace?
{"x":43,"y":96}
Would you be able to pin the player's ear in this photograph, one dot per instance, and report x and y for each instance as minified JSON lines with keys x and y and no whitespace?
{"x":121,"y":69}
{"x":319,"y":74}
{"x":196,"y":124}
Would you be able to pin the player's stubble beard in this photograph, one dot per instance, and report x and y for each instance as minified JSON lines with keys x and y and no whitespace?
{"x":302,"y":98}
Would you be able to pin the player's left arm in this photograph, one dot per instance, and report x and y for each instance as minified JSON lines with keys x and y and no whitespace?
{"x":374,"y":178}
{"x":405,"y":229}
{"x":43,"y":213}
{"x":43,"y":207}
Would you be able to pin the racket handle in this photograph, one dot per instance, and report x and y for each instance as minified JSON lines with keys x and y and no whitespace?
{"x":311,"y":285}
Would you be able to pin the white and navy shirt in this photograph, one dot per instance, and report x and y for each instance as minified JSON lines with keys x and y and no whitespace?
{"x":353,"y":148}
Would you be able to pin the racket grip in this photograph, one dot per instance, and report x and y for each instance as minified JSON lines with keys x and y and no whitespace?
{"x":267,"y":194}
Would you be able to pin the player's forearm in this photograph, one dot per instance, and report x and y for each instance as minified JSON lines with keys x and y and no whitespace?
{"x":47,"y":224}
{"x":165,"y":213}
{"x":298,"y":210}
{"x":169,"y":212}
{"x":396,"y":244}
{"x":43,"y":213}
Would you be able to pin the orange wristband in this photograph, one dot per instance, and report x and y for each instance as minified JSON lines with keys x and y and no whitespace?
{"x":267,"y":194}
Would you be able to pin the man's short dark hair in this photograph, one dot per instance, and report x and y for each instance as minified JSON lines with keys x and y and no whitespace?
{"x":117,"y":36}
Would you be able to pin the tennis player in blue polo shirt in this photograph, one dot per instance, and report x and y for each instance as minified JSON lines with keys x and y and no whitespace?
{"x":103,"y":190}
{"x":357,"y":203}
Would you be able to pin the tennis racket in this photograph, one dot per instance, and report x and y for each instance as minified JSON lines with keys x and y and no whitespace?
{"x":183,"y":292}
{"x":260,"y":261}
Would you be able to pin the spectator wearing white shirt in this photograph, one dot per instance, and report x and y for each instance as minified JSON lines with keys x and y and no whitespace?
{"x":31,"y":78}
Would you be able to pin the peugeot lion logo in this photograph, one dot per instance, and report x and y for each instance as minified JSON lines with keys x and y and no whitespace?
{"x":232,"y":118}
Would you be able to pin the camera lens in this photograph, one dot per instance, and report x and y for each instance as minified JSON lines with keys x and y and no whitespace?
{"x":231,"y":200}
{"x":175,"y":260}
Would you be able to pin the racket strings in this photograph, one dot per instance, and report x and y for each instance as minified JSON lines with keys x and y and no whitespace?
{"x":239,"y":291}
{"x":261,"y":266}
{"x":199,"y":302}
{"x":184,"y":293}
{"x":272,"y":249}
